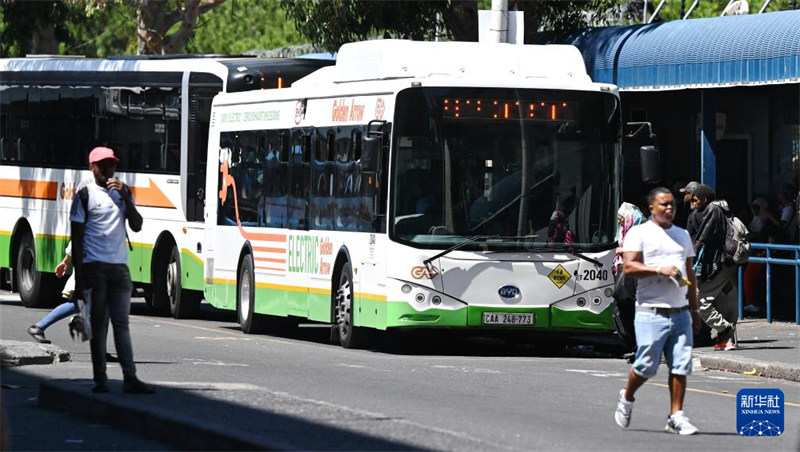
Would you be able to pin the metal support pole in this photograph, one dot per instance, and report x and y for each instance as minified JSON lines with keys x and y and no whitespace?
{"x":741,"y":292}
{"x":658,"y":9}
{"x":691,"y":9}
{"x":769,"y":290}
{"x":797,"y":287}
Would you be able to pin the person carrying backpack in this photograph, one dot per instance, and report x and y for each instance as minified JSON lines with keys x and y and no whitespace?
{"x":100,"y":259}
{"x":716,"y":271}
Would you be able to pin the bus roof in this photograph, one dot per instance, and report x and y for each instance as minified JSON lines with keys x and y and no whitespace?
{"x":386,"y":59}
{"x":227,"y":69}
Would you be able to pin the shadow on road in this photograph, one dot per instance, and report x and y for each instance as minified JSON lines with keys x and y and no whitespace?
{"x":191,"y":419}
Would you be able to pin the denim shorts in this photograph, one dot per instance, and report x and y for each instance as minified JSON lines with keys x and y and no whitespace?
{"x":670,"y":334}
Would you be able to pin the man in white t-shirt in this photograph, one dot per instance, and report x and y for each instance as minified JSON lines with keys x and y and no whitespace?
{"x":659,"y":254}
{"x":100,"y":259}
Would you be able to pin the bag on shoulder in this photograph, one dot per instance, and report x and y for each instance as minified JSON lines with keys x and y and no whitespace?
{"x":736,"y":247}
{"x":625,"y":289}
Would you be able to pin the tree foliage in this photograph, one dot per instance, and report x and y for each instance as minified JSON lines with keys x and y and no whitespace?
{"x":331,"y":23}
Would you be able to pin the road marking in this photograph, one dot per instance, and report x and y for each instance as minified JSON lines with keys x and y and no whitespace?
{"x":223,"y":338}
{"x":205,"y":386}
{"x":724,"y":394}
{"x":597,"y":373}
{"x":229,"y":333}
{"x":214,"y":362}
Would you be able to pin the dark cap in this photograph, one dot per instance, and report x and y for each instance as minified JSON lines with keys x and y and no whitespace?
{"x":690,"y":187}
{"x":703,"y":191}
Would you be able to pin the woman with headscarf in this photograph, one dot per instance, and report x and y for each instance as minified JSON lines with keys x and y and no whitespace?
{"x":628,"y":216}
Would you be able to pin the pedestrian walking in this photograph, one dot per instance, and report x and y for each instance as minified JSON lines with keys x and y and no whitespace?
{"x":717,"y":277}
{"x":659,"y":254}
{"x":67,"y":308}
{"x":100,"y":259}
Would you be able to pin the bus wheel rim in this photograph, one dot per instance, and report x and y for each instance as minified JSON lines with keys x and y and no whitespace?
{"x":28,"y":264}
{"x":244,"y":297}
{"x":172,"y":274}
{"x":344,"y":305}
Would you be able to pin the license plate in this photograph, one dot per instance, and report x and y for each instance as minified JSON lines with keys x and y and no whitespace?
{"x":507,"y":318}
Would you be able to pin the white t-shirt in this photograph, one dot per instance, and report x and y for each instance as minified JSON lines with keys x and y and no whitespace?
{"x":104,"y":238}
{"x":660,"y":248}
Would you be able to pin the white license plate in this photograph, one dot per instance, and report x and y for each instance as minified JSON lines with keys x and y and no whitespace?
{"x":507,"y":318}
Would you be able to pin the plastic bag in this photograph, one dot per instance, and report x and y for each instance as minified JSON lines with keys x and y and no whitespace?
{"x":80,"y":325}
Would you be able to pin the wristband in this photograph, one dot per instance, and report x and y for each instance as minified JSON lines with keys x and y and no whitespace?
{"x":658,"y":271}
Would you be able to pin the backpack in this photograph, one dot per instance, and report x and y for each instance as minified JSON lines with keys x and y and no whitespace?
{"x":736,"y":247}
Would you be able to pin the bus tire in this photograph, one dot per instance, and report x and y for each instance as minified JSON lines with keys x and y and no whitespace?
{"x":350,"y":336}
{"x":36,"y":289}
{"x":183,"y":304}
{"x":249,"y":321}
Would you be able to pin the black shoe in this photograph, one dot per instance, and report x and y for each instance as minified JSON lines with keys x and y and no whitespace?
{"x":38,"y":334}
{"x":136,"y":386}
{"x":111,"y":358}
{"x":100,"y":388}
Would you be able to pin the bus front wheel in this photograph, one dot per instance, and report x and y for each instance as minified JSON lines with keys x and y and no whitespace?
{"x":350,"y":336}
{"x":249,"y":321}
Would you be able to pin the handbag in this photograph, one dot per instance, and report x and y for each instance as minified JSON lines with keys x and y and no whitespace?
{"x":625,"y":289}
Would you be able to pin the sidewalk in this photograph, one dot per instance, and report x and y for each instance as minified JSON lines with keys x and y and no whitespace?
{"x":769,"y":350}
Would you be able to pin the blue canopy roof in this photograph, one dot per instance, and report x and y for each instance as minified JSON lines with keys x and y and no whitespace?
{"x":725,"y":51}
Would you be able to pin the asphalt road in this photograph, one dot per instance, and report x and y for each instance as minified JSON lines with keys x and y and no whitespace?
{"x":433,"y":391}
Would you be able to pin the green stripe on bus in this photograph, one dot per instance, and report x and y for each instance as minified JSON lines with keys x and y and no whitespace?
{"x":191,"y":271}
{"x":583,"y":319}
{"x":5,"y":244}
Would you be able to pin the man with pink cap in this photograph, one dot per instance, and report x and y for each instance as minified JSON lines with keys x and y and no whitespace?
{"x":100,"y":260}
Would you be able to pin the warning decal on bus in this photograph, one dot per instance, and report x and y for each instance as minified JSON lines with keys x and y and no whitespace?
{"x":559,"y":276}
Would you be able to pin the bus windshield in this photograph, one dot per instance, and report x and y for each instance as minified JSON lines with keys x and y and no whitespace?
{"x":525,"y":169}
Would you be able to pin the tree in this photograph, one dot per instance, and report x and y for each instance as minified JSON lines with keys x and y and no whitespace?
{"x":32,"y":27}
{"x":165,"y":26}
{"x":242,"y":26}
{"x":331,"y":23}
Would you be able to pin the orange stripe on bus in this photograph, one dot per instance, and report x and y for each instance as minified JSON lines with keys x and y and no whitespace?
{"x":270,"y":268}
{"x":151,"y":196}
{"x":269,"y":259}
{"x":29,"y":189}
{"x":264,"y":249}
{"x":263,"y":237}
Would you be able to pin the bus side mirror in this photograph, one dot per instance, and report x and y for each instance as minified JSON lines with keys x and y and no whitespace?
{"x":651,"y":164}
{"x":370,"y":153}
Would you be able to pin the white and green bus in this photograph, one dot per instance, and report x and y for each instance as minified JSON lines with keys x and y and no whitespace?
{"x":418,"y":184}
{"x":154,"y":113}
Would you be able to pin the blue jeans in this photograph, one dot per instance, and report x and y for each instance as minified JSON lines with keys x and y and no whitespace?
{"x":111,"y":288}
{"x":670,"y":334}
{"x":61,"y":311}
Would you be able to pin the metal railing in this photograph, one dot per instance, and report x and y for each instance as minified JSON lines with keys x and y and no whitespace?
{"x":769,"y":260}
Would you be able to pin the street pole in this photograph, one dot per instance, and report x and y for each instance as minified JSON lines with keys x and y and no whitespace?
{"x":498,"y":28}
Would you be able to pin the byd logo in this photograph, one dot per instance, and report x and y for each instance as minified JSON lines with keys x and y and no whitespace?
{"x":423,"y":272}
{"x":509,"y":292}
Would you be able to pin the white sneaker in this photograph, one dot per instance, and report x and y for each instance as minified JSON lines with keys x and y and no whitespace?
{"x":624,"y":409}
{"x":679,"y":423}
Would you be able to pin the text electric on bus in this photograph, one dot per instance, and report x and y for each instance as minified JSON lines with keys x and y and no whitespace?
{"x":154,"y":113}
{"x":418,"y":184}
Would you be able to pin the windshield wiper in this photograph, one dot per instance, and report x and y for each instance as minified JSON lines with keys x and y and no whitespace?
{"x":467,"y":241}
{"x":570,"y":252}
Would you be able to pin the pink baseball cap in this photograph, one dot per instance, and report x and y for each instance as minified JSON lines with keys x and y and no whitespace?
{"x":101,"y":153}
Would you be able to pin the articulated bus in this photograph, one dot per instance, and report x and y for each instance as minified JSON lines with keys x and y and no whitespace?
{"x":154,"y":113}
{"x":418,"y":185}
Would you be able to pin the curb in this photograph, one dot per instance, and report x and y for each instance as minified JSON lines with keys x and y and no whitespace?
{"x":751,"y":367}
{"x":124,"y":412}
{"x":16,"y":353}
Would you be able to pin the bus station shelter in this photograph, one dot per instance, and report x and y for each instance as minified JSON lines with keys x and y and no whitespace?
{"x":722,"y":95}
